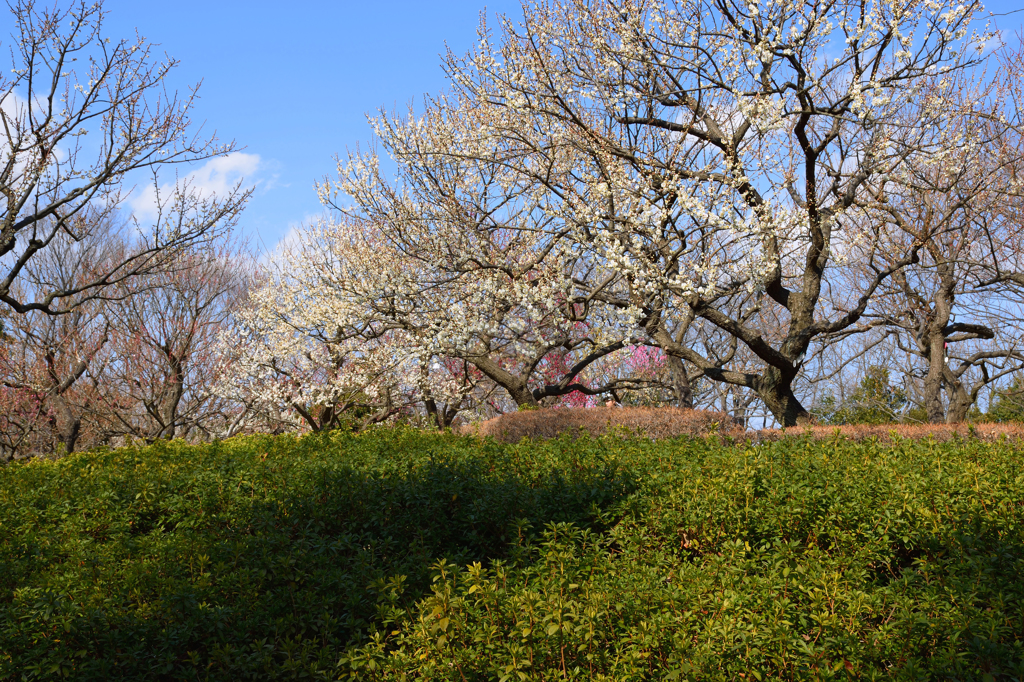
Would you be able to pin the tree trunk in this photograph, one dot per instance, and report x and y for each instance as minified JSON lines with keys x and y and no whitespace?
{"x":173,"y":390}
{"x":68,"y":424}
{"x":959,"y":405}
{"x":680,"y":382}
{"x":524,"y":398}
{"x":960,"y":399}
{"x":933,"y":380}
{"x":443,"y":416}
{"x":741,"y":408}
{"x":516,"y":387}
{"x":777,"y":393}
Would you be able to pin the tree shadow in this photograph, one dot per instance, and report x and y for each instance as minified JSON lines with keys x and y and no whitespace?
{"x":298,"y":577}
{"x":957,"y":602}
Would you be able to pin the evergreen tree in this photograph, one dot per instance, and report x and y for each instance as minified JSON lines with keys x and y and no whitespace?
{"x":875,"y":401}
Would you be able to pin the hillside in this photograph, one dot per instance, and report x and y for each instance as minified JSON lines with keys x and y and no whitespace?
{"x":399,"y":554}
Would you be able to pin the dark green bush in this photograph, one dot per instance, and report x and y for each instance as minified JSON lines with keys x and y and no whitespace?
{"x":874,"y":401}
{"x":259,"y":556}
{"x":401,"y":555}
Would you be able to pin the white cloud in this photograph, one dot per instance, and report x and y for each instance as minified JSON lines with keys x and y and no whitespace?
{"x":1001,"y":37}
{"x":14,"y":106}
{"x":216,"y":177}
{"x":18,"y":126}
{"x":13,"y":109}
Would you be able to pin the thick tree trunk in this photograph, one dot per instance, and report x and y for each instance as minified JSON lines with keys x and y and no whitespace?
{"x":777,"y":393}
{"x":960,"y":399}
{"x":959,"y":405}
{"x":523,"y":397}
{"x":934,"y":341}
{"x":680,"y":382}
{"x":68,"y":424}
{"x":516,"y":387}
{"x":933,"y":381}
{"x":172,"y":393}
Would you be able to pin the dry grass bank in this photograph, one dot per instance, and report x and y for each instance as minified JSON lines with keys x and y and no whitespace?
{"x":663,"y":422}
{"x":890,"y":432}
{"x":670,"y":422}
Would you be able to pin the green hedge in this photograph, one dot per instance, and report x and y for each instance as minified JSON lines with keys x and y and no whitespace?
{"x":405,"y":555}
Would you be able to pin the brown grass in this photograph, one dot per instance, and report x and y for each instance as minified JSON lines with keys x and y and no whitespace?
{"x":669,"y":422}
{"x":663,"y":422}
{"x":889,"y":432}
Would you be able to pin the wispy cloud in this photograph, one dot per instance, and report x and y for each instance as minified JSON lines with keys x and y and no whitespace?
{"x":216,"y":177}
{"x":17,"y":126}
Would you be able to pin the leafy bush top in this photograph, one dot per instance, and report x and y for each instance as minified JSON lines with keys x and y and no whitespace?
{"x":402,"y":555}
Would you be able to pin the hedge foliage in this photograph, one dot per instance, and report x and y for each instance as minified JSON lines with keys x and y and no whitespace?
{"x":401,"y":555}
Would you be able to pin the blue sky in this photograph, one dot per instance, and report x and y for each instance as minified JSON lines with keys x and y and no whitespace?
{"x":292,"y":81}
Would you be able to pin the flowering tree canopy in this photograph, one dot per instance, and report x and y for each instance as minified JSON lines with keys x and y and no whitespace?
{"x":716,"y":158}
{"x":730,"y":182}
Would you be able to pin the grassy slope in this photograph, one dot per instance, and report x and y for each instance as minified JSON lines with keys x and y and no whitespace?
{"x":403,"y":555}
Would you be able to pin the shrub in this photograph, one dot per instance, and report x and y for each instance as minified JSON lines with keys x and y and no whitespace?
{"x":397,"y":555}
{"x":786,"y":561}
{"x":259,"y":556}
{"x":1007,"y":405}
